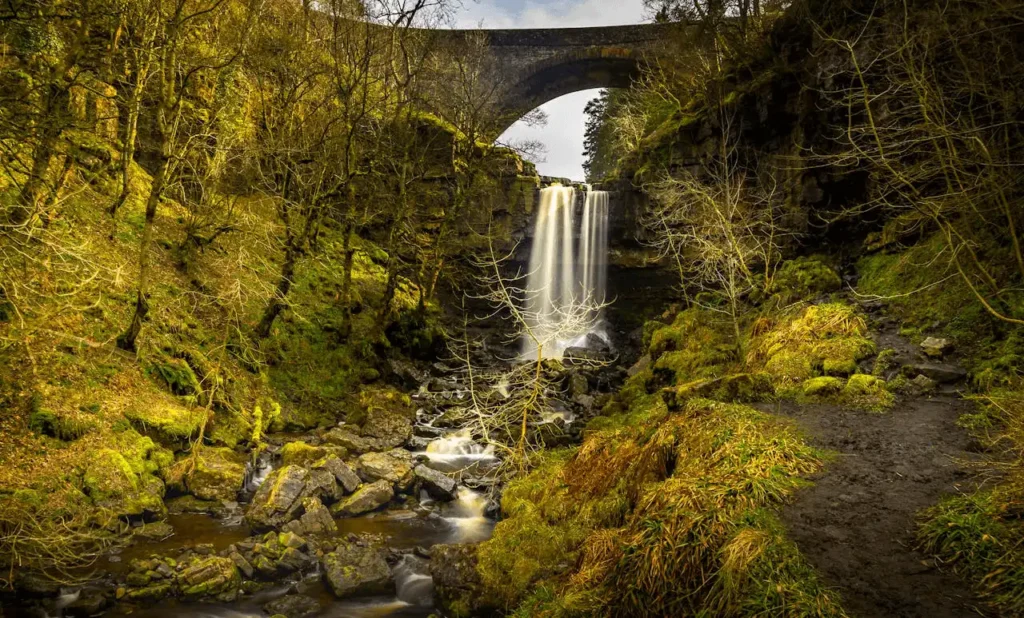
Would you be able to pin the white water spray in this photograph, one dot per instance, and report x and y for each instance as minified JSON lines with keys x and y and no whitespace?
{"x":566,"y":288}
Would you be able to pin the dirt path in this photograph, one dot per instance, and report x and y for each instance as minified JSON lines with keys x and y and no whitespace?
{"x":855,"y":524}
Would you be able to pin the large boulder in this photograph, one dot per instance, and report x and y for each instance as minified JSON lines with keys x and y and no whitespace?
{"x":298,"y":453}
{"x":217,"y":475}
{"x":293,"y":606}
{"x":315,"y":520}
{"x":367,"y":498}
{"x":357,"y":570}
{"x":211,"y":576}
{"x":457,"y":585}
{"x":120,"y":486}
{"x":394,"y":466}
{"x":349,"y":439}
{"x":344,"y":475}
{"x":435,"y":483}
{"x":279,"y":499}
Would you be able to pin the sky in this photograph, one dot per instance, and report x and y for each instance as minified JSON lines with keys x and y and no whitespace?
{"x":563,"y":134}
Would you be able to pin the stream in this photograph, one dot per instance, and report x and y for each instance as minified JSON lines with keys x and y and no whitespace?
{"x":409,"y":531}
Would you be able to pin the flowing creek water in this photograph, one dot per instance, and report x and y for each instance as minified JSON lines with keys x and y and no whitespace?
{"x":462,"y":520}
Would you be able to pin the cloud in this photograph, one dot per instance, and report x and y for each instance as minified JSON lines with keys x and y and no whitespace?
{"x":563,"y":134}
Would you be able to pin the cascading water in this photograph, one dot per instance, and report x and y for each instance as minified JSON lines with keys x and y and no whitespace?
{"x":565,"y":288}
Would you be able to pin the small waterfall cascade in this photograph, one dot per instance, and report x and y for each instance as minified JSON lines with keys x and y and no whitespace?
{"x":567,"y":281}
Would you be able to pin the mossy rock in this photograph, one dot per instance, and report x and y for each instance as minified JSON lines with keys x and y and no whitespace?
{"x":821,"y":387}
{"x":821,"y":339}
{"x":213,"y":576}
{"x":56,"y":425}
{"x":218,"y":474}
{"x":172,"y":425}
{"x":176,"y":374}
{"x":803,"y":278}
{"x":885,"y":363}
{"x":840,"y":367}
{"x":868,"y":392}
{"x":299,"y":453}
{"x":112,"y":484}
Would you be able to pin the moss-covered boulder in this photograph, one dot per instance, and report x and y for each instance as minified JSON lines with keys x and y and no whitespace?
{"x":821,"y":387}
{"x":218,"y":475}
{"x":212,"y":576}
{"x":457,"y":584}
{"x":868,"y":392}
{"x":167,"y":423}
{"x":279,"y":498}
{"x":112,"y":483}
{"x":394,"y":466}
{"x":298,"y":453}
{"x":803,"y":278}
{"x":357,"y":570}
{"x":366,"y":499}
{"x":826,"y":339}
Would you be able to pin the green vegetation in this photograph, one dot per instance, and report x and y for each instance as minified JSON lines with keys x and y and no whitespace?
{"x":659,"y":513}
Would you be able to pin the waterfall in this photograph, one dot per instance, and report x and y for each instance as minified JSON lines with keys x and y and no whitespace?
{"x":565,"y":288}
{"x":593,"y":253}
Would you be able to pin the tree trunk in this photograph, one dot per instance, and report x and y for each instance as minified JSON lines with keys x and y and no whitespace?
{"x":277,"y":304}
{"x":25,"y":207}
{"x":54,"y":196}
{"x":127,"y":340}
{"x":349,"y":250}
{"x":128,"y":148}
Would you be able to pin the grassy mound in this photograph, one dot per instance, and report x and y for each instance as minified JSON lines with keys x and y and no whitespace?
{"x":659,"y":513}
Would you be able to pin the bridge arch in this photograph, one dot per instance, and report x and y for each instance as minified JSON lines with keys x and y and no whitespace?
{"x":565,"y":75}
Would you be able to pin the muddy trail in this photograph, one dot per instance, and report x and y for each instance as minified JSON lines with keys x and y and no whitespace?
{"x":856,"y":522}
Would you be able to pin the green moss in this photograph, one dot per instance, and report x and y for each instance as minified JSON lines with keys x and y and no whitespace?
{"x":885,"y":363}
{"x":300,"y":454}
{"x":171,"y":424}
{"x":60,"y":426}
{"x":176,"y":374}
{"x":822,"y":339}
{"x":822,"y":387}
{"x":839,"y":366}
{"x":803,"y":278}
{"x":112,"y":483}
{"x":867,"y":392}
{"x":695,"y":346}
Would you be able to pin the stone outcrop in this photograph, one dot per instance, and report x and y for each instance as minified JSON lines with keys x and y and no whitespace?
{"x":457,"y":585}
{"x":435,"y":483}
{"x":368,"y":498}
{"x":356,"y":570}
{"x":394,"y":466}
{"x":281,"y":497}
{"x":346,"y":477}
{"x":210,"y":577}
{"x":218,"y":475}
{"x":315,"y":520}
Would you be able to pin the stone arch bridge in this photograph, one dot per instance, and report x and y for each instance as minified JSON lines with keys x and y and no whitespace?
{"x":533,"y":66}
